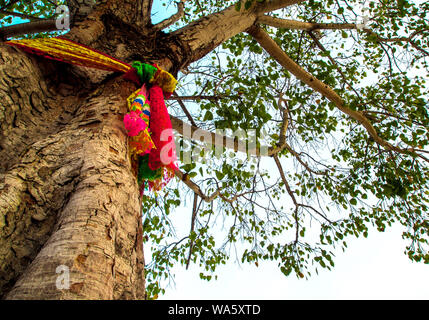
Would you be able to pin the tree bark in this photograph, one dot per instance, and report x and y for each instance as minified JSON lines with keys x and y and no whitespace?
{"x":68,"y":197}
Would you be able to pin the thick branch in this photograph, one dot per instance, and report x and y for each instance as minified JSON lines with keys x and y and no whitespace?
{"x":268,"y":6}
{"x":278,"y":54}
{"x":29,"y":27}
{"x":204,"y":35}
{"x":191,"y":131}
{"x":207,"y":33}
{"x":310,"y":26}
{"x":300,"y":25}
{"x":134,"y":12}
{"x":146,"y":9}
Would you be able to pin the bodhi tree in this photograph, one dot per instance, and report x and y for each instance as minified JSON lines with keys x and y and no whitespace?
{"x":336,"y":89}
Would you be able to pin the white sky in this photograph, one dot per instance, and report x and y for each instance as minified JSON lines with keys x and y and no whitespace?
{"x":371,"y":268}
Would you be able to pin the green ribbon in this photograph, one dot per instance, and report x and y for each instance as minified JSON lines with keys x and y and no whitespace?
{"x":145,"y":71}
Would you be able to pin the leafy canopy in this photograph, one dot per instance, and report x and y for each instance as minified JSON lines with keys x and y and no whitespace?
{"x":342,"y":181}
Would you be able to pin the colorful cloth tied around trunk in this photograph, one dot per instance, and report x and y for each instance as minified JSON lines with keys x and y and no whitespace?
{"x":148,"y":124}
{"x":71,"y":52}
{"x":152,"y":147}
{"x":144,"y":73}
{"x":137,"y":123}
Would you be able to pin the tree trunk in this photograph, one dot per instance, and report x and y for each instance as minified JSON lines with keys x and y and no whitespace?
{"x":67,"y":194}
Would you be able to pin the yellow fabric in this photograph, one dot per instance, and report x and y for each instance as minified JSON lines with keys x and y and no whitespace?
{"x":74,"y":53}
{"x":165,"y":80}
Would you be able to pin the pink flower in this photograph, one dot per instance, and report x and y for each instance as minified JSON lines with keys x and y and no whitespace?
{"x":134,"y":124}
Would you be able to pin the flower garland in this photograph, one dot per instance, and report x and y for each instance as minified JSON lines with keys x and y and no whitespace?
{"x":148,"y":124}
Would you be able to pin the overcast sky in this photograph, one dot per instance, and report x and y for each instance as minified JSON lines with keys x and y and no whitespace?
{"x":371,"y":268}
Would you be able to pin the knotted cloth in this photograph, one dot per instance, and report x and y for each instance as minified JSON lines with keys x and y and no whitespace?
{"x":152,"y":148}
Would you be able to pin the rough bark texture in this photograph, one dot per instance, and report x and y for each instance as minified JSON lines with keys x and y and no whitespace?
{"x":68,"y":189}
{"x":67,"y":193}
{"x":205,"y":35}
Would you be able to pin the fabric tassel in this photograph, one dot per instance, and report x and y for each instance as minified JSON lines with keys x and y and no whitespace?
{"x":159,"y":165}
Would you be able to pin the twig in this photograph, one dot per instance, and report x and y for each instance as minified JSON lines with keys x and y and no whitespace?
{"x":20,"y":15}
{"x":200,"y":97}
{"x":300,"y":25}
{"x":174,"y":18}
{"x":8,"y":5}
{"x":185,"y":110}
{"x":194,"y":215}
